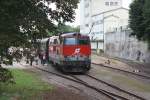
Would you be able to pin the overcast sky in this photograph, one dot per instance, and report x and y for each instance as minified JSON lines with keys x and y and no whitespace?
{"x":126,"y":3}
{"x":77,"y":20}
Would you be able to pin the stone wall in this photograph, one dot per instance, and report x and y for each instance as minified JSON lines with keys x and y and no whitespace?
{"x":121,"y":44}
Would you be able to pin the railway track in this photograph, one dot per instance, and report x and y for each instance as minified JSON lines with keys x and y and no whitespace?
{"x":142,"y":67}
{"x":129,"y":96}
{"x":115,"y":87}
{"x":128,"y":72}
{"x":110,"y":95}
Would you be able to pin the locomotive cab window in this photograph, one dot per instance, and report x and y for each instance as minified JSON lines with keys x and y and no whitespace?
{"x":75,"y":41}
{"x":69,"y":41}
{"x":55,"y":41}
{"x":83,"y":41}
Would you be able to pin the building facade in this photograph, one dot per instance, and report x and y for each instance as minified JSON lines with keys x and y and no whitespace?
{"x":101,"y":16}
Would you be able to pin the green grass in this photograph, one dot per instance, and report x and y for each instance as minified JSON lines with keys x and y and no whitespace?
{"x":27,"y":85}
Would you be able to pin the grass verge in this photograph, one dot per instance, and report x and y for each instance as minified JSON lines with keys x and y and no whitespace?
{"x":28,"y":87}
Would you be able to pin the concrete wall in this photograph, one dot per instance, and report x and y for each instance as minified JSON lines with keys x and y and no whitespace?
{"x":121,"y":44}
{"x":97,"y":45}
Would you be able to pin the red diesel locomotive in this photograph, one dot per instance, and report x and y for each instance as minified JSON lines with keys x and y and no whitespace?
{"x":70,"y":51}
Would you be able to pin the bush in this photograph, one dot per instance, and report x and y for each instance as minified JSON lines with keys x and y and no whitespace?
{"x":5,"y":76}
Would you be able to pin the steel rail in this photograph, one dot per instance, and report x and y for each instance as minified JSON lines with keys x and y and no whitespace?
{"x":115,"y":87}
{"x":104,"y":92}
{"x":117,"y":69}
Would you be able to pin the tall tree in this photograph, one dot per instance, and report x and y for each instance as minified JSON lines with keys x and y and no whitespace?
{"x":137,"y":19}
{"x":140,"y":19}
{"x":147,"y":21}
{"x":21,"y":20}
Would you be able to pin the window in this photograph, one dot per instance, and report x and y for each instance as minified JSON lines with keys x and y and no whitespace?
{"x":116,"y":3}
{"x":101,"y":32}
{"x":55,"y":41}
{"x":51,"y":41}
{"x":75,"y":41}
{"x":83,"y":41}
{"x":87,"y":5}
{"x":111,"y":3}
{"x":107,"y":3}
{"x":87,"y":15}
{"x":69,"y":41}
{"x":87,"y":25}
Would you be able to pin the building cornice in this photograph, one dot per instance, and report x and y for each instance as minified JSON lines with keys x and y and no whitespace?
{"x":110,"y":11}
{"x":111,"y":16}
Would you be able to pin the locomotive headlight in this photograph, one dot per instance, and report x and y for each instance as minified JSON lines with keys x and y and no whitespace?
{"x":84,"y":57}
{"x":65,"y":58}
{"x":88,"y":57}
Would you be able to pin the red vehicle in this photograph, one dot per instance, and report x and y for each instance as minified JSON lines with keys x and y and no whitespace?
{"x":71,"y":51}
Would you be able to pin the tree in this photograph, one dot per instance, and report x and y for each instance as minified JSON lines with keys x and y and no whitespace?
{"x":77,"y":29}
{"x":136,"y":18}
{"x":24,"y":20}
{"x":32,"y":16}
{"x":140,"y":19}
{"x":67,"y":28}
{"x":147,"y":21}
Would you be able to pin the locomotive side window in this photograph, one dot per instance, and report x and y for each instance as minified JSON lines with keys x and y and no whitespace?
{"x":50,"y":42}
{"x":61,"y":40}
{"x":58,"y":40}
{"x":55,"y":41}
{"x":69,"y":41}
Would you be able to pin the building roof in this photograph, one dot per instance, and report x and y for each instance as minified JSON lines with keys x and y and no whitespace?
{"x":111,"y":11}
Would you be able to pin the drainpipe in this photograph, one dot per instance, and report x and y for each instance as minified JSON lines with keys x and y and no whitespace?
{"x":103,"y":34}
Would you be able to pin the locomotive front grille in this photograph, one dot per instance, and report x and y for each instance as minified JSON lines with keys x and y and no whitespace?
{"x":76,"y":63}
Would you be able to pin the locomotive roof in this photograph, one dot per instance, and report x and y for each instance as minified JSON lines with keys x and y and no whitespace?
{"x":72,"y":34}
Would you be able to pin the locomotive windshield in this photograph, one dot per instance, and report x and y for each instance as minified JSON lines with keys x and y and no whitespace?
{"x":70,"y":41}
{"x":83,"y":41}
{"x":76,"y":41}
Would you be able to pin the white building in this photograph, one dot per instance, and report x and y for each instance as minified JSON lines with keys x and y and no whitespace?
{"x":101,"y":16}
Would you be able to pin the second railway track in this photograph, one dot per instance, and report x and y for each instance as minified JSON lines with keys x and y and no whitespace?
{"x":115,"y":87}
{"x":127,"y":72}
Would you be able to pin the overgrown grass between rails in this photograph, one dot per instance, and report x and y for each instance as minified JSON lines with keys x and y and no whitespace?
{"x":27,"y":85}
